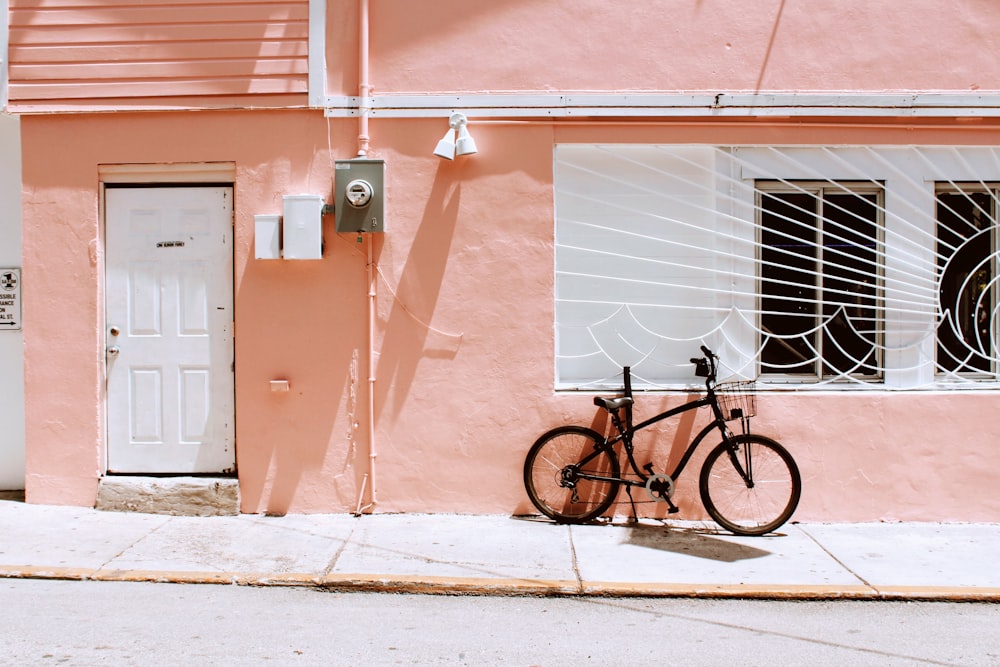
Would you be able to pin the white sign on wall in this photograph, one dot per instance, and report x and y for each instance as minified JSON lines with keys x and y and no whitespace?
{"x":10,"y":299}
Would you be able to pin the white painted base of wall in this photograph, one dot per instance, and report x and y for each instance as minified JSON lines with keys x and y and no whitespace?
{"x":11,"y":342}
{"x":11,"y":411}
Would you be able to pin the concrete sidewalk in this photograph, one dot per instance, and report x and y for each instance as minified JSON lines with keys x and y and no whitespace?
{"x":503,"y":555}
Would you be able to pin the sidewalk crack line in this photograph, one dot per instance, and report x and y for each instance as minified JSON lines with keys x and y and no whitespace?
{"x":141,"y":538}
{"x":836,"y":560}
{"x":336,"y":556}
{"x":576,"y":563}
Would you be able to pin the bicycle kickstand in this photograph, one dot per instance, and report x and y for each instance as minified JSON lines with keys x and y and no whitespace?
{"x":635,"y":515}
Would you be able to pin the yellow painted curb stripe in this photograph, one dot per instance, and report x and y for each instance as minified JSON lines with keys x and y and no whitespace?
{"x":496,"y":586}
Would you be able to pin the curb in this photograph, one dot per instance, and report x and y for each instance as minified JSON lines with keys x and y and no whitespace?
{"x":436,"y":585}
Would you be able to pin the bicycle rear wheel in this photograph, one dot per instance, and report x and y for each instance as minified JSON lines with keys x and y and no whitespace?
{"x":552,"y":472}
{"x":753,"y":490}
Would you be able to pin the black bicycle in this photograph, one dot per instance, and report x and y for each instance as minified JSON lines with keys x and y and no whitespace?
{"x":749,"y":483}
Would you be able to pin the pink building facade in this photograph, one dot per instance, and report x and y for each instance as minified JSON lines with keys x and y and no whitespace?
{"x":812,"y":189}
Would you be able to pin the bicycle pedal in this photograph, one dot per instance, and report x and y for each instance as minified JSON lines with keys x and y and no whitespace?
{"x":648,"y":468}
{"x":673,"y":510}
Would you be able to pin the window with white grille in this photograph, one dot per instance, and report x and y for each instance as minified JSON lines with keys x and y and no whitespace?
{"x":820,"y":280}
{"x":868,"y":267}
{"x":967,"y":262}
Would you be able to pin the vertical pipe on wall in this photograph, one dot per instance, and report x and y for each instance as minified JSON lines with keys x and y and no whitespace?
{"x":363,"y":109}
{"x":364,"y":88}
{"x":372,"y":452}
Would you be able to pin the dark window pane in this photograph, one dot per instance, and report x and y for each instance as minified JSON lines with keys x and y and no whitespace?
{"x":964,"y":248}
{"x":820,"y":282}
{"x":789,"y":285}
{"x":850,"y":290}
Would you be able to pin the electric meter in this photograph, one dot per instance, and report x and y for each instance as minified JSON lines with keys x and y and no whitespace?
{"x":358,"y":193}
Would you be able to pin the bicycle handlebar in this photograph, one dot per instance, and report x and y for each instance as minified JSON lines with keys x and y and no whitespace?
{"x":708,"y":355}
{"x":711,"y":358}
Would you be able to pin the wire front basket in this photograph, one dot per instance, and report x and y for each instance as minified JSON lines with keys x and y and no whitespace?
{"x":737,"y":400}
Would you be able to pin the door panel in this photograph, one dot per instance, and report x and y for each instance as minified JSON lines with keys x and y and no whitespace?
{"x":169,"y":288}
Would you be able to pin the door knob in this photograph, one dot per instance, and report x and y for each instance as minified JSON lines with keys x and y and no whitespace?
{"x":114,"y":331}
{"x":113,"y":351}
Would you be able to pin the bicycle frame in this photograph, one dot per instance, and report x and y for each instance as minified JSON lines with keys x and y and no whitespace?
{"x":625,"y":436}
{"x":627,"y":430}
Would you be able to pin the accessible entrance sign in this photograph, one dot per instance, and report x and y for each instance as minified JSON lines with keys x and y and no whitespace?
{"x":10,"y":299}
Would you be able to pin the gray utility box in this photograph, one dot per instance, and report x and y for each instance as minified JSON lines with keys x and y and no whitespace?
{"x":359,"y":200}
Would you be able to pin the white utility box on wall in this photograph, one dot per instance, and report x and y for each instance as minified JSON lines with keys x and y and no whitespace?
{"x":302,"y":226}
{"x":267,"y":236}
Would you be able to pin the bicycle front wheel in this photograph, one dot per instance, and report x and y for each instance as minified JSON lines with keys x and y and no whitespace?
{"x":556,"y":471}
{"x":752,"y":490}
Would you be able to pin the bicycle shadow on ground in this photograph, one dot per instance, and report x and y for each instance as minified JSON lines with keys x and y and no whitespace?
{"x":694,"y":542}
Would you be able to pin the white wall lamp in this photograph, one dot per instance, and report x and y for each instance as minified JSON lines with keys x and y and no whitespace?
{"x":449,"y":147}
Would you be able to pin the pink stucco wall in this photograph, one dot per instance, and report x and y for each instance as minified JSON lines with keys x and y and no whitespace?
{"x":464,"y":327}
{"x":668,"y":45}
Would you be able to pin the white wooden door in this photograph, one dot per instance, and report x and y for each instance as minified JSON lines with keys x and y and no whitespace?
{"x":169,"y":303}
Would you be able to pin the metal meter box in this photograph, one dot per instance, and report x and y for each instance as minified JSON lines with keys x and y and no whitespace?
{"x":359,"y":187}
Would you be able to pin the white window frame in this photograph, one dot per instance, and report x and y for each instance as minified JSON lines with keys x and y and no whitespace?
{"x":809,"y":187}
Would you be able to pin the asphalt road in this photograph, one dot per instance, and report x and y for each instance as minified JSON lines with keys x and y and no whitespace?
{"x":109,"y":623}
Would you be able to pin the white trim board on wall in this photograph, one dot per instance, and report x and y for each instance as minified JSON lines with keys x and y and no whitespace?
{"x":649,"y":105}
{"x":179,"y":172}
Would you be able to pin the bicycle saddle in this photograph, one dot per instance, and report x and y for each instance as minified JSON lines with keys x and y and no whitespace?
{"x":612,"y":404}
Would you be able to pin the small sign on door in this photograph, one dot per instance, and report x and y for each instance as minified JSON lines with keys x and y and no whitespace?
{"x":10,"y":299}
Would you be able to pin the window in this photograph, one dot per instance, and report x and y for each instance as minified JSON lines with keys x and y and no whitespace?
{"x":820,"y":279}
{"x":966,"y":241}
{"x":847,"y":267}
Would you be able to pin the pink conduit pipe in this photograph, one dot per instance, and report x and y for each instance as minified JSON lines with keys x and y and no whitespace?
{"x":364,"y":90}
{"x":364,"y":87}
{"x":372,"y":451}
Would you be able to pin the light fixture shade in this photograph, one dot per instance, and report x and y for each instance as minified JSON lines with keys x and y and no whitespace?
{"x":465,"y":145}
{"x":446,"y":147}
